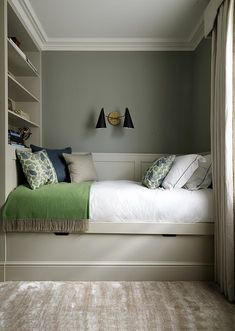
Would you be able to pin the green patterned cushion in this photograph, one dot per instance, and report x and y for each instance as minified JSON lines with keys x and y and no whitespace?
{"x":155,"y":174}
{"x":37,"y":168}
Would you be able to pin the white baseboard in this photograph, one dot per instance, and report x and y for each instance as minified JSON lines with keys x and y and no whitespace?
{"x":2,"y":271}
{"x":108,"y":271}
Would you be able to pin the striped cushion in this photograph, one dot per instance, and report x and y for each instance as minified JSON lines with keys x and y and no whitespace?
{"x":202,"y":177}
{"x":182,"y":169}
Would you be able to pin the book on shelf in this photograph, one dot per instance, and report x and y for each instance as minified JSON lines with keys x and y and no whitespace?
{"x":12,"y":142}
{"x":17,"y":145}
{"x":15,"y":137}
{"x":12,"y":133}
{"x":16,"y":140}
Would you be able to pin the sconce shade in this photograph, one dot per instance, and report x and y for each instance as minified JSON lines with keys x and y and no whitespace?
{"x":101,"y":123}
{"x":128,"y":121}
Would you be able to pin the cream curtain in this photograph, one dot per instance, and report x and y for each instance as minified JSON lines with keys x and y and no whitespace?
{"x":210,"y":15}
{"x":222,"y":142}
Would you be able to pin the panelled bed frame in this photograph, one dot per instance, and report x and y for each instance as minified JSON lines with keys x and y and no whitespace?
{"x":111,"y":251}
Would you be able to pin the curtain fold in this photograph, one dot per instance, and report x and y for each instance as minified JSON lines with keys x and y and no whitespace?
{"x":210,"y":15}
{"x":222,"y":147}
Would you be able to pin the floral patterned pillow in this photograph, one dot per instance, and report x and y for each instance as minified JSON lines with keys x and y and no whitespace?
{"x":155,"y":174}
{"x":37,"y":168}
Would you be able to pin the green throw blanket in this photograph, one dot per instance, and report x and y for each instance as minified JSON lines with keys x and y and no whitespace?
{"x":62,"y":207}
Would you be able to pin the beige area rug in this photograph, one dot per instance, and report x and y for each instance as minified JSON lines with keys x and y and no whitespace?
{"x":142,"y":306}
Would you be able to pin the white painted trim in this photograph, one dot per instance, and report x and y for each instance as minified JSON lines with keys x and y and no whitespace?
{"x":105,"y":263}
{"x":152,"y":228}
{"x":197,"y":34}
{"x":31,"y":21}
{"x":34,"y":20}
{"x":116,"y":44}
{"x":2,"y":273}
{"x":110,"y":273}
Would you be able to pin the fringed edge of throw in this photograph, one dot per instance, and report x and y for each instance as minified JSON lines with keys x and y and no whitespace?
{"x":50,"y":225}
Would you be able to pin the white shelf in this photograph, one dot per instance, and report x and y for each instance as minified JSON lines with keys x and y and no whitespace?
{"x":17,"y":63}
{"x":18,"y":121}
{"x":18,"y":92}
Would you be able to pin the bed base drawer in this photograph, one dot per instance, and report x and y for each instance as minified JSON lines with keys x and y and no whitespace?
{"x":41,"y":256}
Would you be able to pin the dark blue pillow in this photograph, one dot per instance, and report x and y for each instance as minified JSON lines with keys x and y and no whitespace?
{"x":58,"y":161}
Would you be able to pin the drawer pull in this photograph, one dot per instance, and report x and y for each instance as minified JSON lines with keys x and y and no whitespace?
{"x":61,"y":233}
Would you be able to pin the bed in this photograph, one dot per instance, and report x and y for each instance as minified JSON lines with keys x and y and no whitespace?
{"x":123,"y":200}
{"x":159,"y":244}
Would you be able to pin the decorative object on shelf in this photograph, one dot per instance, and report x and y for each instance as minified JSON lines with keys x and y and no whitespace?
{"x":22,"y":114}
{"x":16,"y":41}
{"x":25,"y":133}
{"x":10,"y":104}
{"x":114,"y":118}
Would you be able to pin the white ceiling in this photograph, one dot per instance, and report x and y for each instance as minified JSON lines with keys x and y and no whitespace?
{"x":74,"y":22}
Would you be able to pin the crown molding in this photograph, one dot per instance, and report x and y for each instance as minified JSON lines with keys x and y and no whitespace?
{"x":32,"y":23}
{"x":115,"y":44}
{"x":38,"y":28}
{"x":197,"y":34}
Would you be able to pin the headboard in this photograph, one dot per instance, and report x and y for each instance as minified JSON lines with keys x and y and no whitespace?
{"x":108,"y":166}
{"x":122,"y":165}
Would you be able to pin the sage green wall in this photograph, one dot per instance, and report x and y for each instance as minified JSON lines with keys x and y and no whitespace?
{"x":201,"y":97}
{"x":156,"y":86}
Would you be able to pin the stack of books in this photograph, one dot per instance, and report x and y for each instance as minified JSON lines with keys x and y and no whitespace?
{"x":15,"y":139}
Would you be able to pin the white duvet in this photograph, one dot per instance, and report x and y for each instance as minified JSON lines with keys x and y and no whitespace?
{"x":130,"y":201}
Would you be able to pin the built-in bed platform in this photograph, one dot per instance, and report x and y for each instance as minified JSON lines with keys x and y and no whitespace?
{"x":117,"y":250}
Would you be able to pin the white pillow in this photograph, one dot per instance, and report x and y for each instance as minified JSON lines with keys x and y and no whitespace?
{"x":81,"y":167}
{"x":202,"y":177}
{"x":182,"y":169}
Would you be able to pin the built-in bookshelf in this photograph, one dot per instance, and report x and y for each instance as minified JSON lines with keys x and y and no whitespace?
{"x":24,"y":78}
{"x":20,"y":87}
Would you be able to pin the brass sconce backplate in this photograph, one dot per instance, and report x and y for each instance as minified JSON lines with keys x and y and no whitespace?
{"x":114,"y":118}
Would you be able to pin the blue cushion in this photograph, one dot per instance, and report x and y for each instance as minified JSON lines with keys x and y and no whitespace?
{"x":58,"y":161}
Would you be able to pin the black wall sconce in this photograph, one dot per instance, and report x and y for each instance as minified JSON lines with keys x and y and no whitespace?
{"x":114,"y":118}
